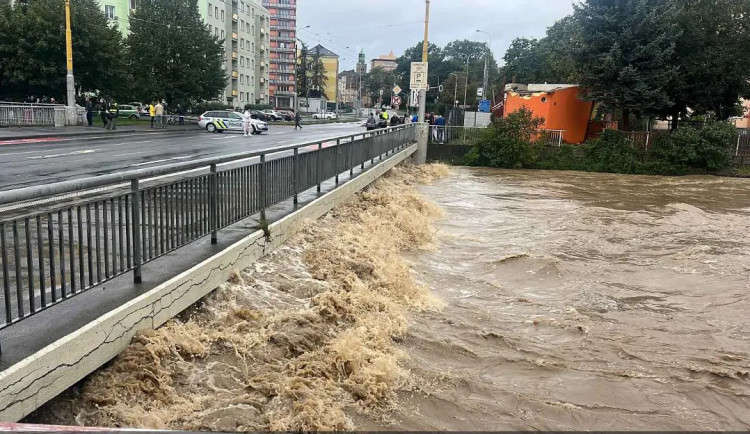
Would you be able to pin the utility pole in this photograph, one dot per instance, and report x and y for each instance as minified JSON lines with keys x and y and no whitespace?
{"x":486,"y":62}
{"x":71,"y":98}
{"x":425,"y":49}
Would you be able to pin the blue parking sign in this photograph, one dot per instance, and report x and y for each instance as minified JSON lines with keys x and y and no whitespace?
{"x":484,"y":106}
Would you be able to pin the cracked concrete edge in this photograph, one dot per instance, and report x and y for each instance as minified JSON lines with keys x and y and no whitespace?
{"x":30,"y":383}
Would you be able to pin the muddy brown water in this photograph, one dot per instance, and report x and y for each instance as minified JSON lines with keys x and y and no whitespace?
{"x":583,"y":301}
{"x":560,"y":300}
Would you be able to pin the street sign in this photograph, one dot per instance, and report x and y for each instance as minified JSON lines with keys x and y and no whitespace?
{"x":484,"y":106}
{"x":419,"y":76}
{"x":480,"y":92}
{"x":396,"y":101}
{"x":397,"y":90}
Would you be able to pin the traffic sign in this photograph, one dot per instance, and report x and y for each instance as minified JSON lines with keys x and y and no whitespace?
{"x":397,"y":90}
{"x":396,"y":101}
{"x":484,"y":106}
{"x":414,"y":98}
{"x":419,"y":76}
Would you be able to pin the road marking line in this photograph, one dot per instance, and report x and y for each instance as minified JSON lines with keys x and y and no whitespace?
{"x":161,"y":161}
{"x":87,"y":151}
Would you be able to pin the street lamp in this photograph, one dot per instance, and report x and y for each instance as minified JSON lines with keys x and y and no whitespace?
{"x":466,"y":87}
{"x":70,"y":83}
{"x":486,"y":61}
{"x":296,"y":91}
{"x":337,"y":83}
{"x":455,"y":91}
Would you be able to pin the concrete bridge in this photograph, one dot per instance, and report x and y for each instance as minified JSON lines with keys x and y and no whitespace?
{"x":88,"y":263}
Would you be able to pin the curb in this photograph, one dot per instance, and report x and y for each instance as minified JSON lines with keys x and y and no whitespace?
{"x":63,"y":135}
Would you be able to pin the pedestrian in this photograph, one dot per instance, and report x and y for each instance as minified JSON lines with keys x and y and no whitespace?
{"x":89,"y":112}
{"x":181,"y":114}
{"x":297,"y":120}
{"x":159,"y":110}
{"x":440,"y":127}
{"x":103,"y":108}
{"x":114,"y":112}
{"x":247,"y":120}
{"x":152,"y":112}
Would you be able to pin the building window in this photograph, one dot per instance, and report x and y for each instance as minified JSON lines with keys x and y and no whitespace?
{"x":222,"y":16}
{"x":242,"y":61}
{"x":242,"y":43}
{"x":132,"y":4}
{"x":216,"y":32}
{"x":222,"y":34}
{"x":242,"y":6}
{"x":210,"y":10}
{"x":242,"y":25}
{"x":109,"y":11}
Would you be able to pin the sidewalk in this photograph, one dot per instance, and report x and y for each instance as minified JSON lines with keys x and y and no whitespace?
{"x":26,"y":133}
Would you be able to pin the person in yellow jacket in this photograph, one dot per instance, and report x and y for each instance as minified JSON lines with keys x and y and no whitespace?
{"x":152,"y":113}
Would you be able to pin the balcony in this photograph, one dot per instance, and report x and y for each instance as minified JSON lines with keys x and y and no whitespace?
{"x":234,"y":92}
{"x":282,"y":38}
{"x":234,"y":36}
{"x":280,"y":81}
{"x":262,"y":48}
{"x":234,"y":17}
{"x":286,"y":17}
{"x":262,"y":64}
{"x":234,"y":55}
{"x":282,"y":26}
{"x":262,"y":80}
{"x":278,"y":5}
{"x":262,"y":31}
{"x":234,"y":74}
{"x":284,"y":93}
{"x":279,"y":60}
{"x":282,"y":50}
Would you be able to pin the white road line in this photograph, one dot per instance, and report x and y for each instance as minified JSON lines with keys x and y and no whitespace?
{"x":131,"y":153}
{"x":161,"y":161}
{"x":87,"y":151}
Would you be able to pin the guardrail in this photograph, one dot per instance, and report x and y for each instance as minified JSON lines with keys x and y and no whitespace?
{"x":43,"y":115}
{"x":53,"y":254}
{"x":450,"y":134}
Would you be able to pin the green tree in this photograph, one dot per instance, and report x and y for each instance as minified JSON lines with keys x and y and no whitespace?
{"x":376,"y":80}
{"x":318,"y":78}
{"x":32,"y":46}
{"x":173,"y":54}
{"x":303,"y":77}
{"x":712,"y":58}
{"x":625,"y":53}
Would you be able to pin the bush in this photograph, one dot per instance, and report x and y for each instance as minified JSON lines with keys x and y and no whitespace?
{"x":203,"y":107}
{"x":612,"y":152}
{"x":690,"y":148}
{"x":507,"y":143}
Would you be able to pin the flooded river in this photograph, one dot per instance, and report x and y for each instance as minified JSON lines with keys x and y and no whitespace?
{"x":583,"y":301}
{"x":484,"y":300}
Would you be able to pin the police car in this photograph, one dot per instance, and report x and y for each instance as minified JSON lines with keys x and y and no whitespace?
{"x":220,"y":121}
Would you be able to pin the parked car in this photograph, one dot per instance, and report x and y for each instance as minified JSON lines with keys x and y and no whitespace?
{"x":220,"y":121}
{"x":260,"y":115}
{"x":326,"y":115}
{"x":274,"y":115}
{"x":129,"y":111}
{"x":286,"y":115}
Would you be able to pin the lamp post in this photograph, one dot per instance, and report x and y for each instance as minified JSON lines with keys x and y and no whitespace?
{"x":455,"y":91}
{"x":425,"y":50}
{"x":486,"y":61}
{"x":466,"y":86}
{"x":69,"y":81}
{"x":337,"y":83}
{"x":296,"y":91}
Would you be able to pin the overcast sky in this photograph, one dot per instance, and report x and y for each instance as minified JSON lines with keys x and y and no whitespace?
{"x":381,"y":26}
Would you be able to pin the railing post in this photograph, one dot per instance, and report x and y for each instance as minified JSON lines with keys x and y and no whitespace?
{"x":319,"y":166}
{"x":737,"y":149}
{"x":336,"y":159}
{"x":559,"y":140}
{"x":136,"y":230}
{"x":351,"y":157}
{"x":296,"y":175}
{"x":263,"y":186}
{"x":213,"y":204}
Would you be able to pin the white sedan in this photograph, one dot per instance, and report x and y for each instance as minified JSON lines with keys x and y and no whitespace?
{"x":326,"y":115}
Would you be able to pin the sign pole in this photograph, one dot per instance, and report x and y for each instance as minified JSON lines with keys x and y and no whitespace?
{"x":425,"y":49}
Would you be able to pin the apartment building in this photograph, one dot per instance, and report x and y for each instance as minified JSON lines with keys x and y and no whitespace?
{"x":282,"y":75}
{"x":243,"y":26}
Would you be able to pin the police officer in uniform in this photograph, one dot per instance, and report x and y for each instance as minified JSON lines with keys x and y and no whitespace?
{"x":114,"y":112}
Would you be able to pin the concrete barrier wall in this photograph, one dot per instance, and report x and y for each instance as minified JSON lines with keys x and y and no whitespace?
{"x":35,"y":380}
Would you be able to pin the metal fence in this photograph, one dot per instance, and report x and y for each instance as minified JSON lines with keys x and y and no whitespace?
{"x":21,"y":114}
{"x":451,"y":134}
{"x":53,"y":254}
{"x":551,"y":138}
{"x":644,"y":141}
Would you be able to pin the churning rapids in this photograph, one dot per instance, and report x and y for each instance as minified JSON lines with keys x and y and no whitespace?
{"x":539,"y":300}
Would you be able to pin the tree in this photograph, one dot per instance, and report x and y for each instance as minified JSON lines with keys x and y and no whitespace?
{"x":625,"y":53}
{"x":303,"y":79}
{"x":318,"y":78}
{"x":378,"y":79}
{"x":711,"y":58}
{"x":32,"y":46}
{"x":173,"y":55}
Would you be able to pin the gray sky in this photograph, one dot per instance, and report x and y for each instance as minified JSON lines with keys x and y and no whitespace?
{"x":381,"y":26}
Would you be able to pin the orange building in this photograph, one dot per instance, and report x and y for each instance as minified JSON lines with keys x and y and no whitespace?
{"x":558,"y":104}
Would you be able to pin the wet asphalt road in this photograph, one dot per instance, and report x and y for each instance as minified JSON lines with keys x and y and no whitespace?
{"x":28,"y":164}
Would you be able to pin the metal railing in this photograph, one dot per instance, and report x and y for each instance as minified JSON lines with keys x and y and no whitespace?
{"x":551,"y":138}
{"x":55,"y":247}
{"x":22,"y":114}
{"x":452,"y":134}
